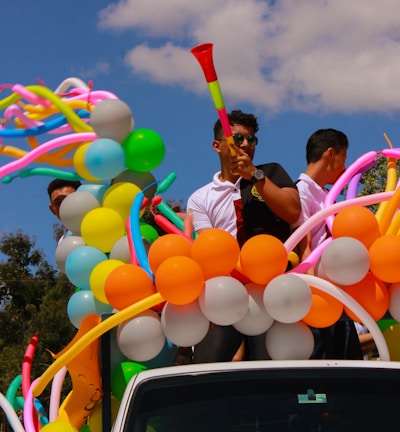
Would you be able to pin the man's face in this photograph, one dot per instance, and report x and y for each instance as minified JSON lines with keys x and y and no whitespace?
{"x":57,"y":197}
{"x":337,"y":164}
{"x":243,"y":137}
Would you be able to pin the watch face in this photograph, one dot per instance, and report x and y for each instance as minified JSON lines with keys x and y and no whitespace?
{"x":259,"y":174}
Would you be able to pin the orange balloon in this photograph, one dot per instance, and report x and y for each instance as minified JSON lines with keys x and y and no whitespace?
{"x":371,"y":294}
{"x":179,"y":280}
{"x":216,"y":251}
{"x":126,"y":285}
{"x":384,"y":255}
{"x":357,"y":222}
{"x":325,"y":310}
{"x":262,"y":258}
{"x":167,"y":246}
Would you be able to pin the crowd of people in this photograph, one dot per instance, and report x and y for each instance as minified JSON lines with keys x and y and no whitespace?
{"x":245,"y":200}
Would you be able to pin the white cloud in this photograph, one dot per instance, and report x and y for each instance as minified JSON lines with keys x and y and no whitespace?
{"x":313,"y":55}
{"x":100,"y":68}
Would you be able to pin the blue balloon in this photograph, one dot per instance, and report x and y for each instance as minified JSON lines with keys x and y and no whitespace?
{"x":104,"y":158}
{"x":83,"y":303}
{"x":80,"y":264}
{"x":96,"y":189}
{"x":165,"y":358}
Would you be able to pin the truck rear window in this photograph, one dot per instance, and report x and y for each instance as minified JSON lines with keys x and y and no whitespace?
{"x":325,"y":399}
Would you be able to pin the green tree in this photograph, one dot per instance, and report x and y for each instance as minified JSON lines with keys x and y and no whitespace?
{"x":35,"y":298}
{"x":375,"y":179}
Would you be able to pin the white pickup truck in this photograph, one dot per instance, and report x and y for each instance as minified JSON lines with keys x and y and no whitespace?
{"x":257,"y":396}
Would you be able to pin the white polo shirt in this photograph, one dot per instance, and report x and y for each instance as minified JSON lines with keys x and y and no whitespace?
{"x":312,"y":197}
{"x":213,"y":205}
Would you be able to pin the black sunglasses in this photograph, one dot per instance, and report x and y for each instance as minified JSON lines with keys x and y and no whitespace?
{"x":239,"y":138}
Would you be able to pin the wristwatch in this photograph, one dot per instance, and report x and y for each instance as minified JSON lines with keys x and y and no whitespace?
{"x":257,"y":176}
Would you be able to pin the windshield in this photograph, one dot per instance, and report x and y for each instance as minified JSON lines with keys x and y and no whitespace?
{"x":325,"y":399}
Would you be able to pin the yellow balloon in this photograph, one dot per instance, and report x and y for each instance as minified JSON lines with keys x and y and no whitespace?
{"x":59,"y":426}
{"x":392,"y":338}
{"x":95,"y":420}
{"x":99,"y":275}
{"x":79,"y":163}
{"x":101,"y":228}
{"x":120,"y":197}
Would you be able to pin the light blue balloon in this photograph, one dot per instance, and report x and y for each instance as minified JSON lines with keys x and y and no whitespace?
{"x":83,"y":303}
{"x":80,"y":264}
{"x":104,"y":158}
{"x":96,"y":189}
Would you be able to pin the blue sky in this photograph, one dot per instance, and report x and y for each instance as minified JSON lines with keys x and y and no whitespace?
{"x":299,"y":66}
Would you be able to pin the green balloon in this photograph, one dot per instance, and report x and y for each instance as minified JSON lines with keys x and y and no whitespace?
{"x":148,"y":232}
{"x":121,"y":376}
{"x":144,"y":150}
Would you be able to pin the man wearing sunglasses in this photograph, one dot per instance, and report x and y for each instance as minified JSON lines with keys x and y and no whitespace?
{"x":245,"y":200}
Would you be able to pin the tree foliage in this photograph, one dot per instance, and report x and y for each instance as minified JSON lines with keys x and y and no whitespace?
{"x":375,"y":179}
{"x":35,"y":298}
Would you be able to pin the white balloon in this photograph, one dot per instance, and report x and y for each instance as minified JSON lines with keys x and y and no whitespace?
{"x":120,"y":250}
{"x":257,"y":320}
{"x":345,"y":261}
{"x":394,"y":302}
{"x":141,"y":338}
{"x":184,"y":325}
{"x":74,"y":207}
{"x":293,"y":341}
{"x":287,"y":298}
{"x":224,"y":300}
{"x":112,"y":118}
{"x":65,"y":247}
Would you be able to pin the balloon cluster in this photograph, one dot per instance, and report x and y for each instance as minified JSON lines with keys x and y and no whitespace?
{"x":164,"y":292}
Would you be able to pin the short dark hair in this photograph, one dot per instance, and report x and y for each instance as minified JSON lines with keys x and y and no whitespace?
{"x":321,"y":140}
{"x":236,"y":117}
{"x":60,"y":183}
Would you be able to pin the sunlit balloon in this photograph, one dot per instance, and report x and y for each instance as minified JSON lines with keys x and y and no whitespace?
{"x":141,"y":179}
{"x":120,"y":196}
{"x":74,"y":208}
{"x":224,"y":300}
{"x":83,"y":303}
{"x":371,"y":294}
{"x":104,"y":158}
{"x":287,"y":298}
{"x":120,"y":250}
{"x":216,"y":251}
{"x":65,"y":247}
{"x":141,"y":338}
{"x":345,"y":261}
{"x":122,"y":374}
{"x":357,"y":222}
{"x":262,"y":258}
{"x":80,"y":264}
{"x":144,"y":150}
{"x":257,"y":320}
{"x":325,"y":310}
{"x":385,"y":258}
{"x":59,"y":426}
{"x":96,"y":189}
{"x":179,"y":280}
{"x":126,"y":284}
{"x":292,"y":341}
{"x":112,"y":118}
{"x":80,"y":164}
{"x":101,"y":228}
{"x":184,"y":325}
{"x":99,"y":276}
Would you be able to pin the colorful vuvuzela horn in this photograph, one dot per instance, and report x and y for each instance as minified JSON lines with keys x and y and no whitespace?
{"x":203,"y":54}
